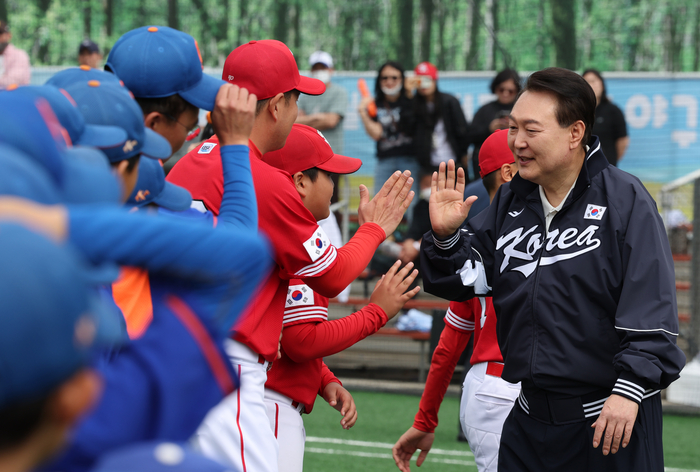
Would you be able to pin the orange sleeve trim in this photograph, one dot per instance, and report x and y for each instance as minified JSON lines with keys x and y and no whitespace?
{"x":132,"y":294}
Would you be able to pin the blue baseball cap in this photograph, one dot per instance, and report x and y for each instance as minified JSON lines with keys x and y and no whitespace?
{"x":79,"y":132}
{"x":74,"y":75}
{"x":89,"y":177}
{"x":51,"y":314}
{"x":107,"y":104}
{"x":157,"y":61}
{"x":158,"y":457}
{"x":28,"y":125}
{"x":21,"y":177}
{"x":151,"y":187}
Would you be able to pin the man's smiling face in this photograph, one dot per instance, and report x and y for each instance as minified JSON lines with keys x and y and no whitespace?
{"x":542,"y":147}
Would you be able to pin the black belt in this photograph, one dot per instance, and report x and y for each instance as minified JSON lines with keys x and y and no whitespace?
{"x":556,"y":408}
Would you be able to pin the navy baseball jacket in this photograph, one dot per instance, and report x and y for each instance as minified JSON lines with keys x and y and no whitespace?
{"x":589,"y":305}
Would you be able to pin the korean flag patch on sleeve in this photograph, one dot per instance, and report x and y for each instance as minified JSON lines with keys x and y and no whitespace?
{"x":594,"y":212}
{"x":317,"y":244}
{"x":299,"y":295}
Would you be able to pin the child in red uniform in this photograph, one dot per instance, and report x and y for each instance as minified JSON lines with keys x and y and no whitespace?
{"x":300,"y":374}
{"x":486,"y":398}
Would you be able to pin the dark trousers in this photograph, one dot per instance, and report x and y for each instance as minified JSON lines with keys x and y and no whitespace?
{"x":528,"y":444}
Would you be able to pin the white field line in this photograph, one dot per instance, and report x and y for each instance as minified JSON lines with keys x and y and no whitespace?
{"x":378,"y":455}
{"x":349,"y":442}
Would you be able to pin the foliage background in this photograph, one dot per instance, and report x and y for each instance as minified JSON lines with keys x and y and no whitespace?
{"x":612,"y":35}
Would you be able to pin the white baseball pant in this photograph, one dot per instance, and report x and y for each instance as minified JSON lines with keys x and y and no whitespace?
{"x":486,"y":402}
{"x":235,"y":431}
{"x":288,"y":427}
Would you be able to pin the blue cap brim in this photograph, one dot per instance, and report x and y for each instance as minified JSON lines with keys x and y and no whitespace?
{"x":88,"y":178}
{"x":173,"y":198}
{"x":155,"y":146}
{"x":203,"y":95}
{"x":100,"y":136}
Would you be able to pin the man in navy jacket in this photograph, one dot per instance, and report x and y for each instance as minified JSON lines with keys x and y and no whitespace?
{"x":576,"y":258}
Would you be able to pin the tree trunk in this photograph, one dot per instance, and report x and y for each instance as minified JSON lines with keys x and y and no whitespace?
{"x":474,"y":27}
{"x":587,"y":26}
{"x":172,"y":14}
{"x":564,"y":33}
{"x":242,"y":32}
{"x":674,"y":40}
{"x":3,"y":10}
{"x":404,"y":46}
{"x":489,"y":46}
{"x":206,"y":33}
{"x":425,"y":24}
{"x":540,"y":34}
{"x":221,"y":32}
{"x":494,"y":33}
{"x":297,"y":29}
{"x":347,"y":39}
{"x":280,"y":29}
{"x":635,"y":35}
{"x":441,"y":21}
{"x":109,"y":17}
{"x":87,"y":19}
{"x":696,"y":38}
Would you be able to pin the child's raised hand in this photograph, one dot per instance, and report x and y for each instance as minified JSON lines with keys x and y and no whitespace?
{"x":391,"y":293}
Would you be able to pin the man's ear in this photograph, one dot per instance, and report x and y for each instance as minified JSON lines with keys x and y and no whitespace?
{"x":120,"y":168}
{"x":301,"y":184}
{"x":273,"y":106}
{"x":578,"y":129}
{"x":153,"y":119}
{"x":75,"y":397}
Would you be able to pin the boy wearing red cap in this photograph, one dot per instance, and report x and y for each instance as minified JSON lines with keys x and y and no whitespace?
{"x":232,"y":432}
{"x":300,"y":374}
{"x":481,"y":418}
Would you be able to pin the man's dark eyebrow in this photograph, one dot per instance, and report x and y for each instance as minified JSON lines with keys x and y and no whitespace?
{"x":526,"y":122}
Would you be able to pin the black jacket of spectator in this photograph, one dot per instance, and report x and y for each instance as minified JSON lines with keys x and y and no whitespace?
{"x":479,"y":129}
{"x":609,"y":126}
{"x":456,"y":127}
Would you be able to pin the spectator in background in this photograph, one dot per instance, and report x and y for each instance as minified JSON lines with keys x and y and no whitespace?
{"x":441,"y":131}
{"x":494,"y":115}
{"x":89,"y":54}
{"x":14,"y":63}
{"x":609,"y":126}
{"x":325,"y":112}
{"x":392,"y":127}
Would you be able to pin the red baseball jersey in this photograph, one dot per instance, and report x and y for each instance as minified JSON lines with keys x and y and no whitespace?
{"x":479,"y":316}
{"x":301,"y":247}
{"x":300,"y":381}
{"x":308,"y":336}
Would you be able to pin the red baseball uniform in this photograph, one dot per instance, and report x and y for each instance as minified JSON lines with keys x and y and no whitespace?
{"x":309,"y":336}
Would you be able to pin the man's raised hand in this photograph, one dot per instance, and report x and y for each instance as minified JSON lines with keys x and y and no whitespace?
{"x":447,"y":210}
{"x":234,"y":114}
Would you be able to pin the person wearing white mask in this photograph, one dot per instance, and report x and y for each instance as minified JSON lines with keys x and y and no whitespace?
{"x":325,"y":112}
{"x":391,"y":127}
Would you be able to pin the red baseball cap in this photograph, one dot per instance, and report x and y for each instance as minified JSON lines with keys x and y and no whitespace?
{"x":494,"y":153}
{"x":306,"y":148}
{"x":426,"y":68}
{"x":266,"y":68}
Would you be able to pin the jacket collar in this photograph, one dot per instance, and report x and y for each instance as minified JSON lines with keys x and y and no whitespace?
{"x":593,"y":164}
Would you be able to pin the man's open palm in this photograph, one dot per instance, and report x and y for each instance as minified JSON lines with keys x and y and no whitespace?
{"x":447,"y":210}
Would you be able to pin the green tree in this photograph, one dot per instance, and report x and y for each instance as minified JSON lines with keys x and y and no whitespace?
{"x":564,"y":33}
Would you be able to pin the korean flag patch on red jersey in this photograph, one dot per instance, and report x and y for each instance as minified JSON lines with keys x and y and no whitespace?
{"x":317,"y":244}
{"x":299,"y":295}
{"x":594,"y":212}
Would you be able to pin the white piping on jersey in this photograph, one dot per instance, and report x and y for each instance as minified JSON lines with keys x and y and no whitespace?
{"x":320,"y":265}
{"x":457,"y":322}
{"x":291,"y":311}
{"x":301,"y":316}
{"x":646,"y":330}
{"x":594,"y":151}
